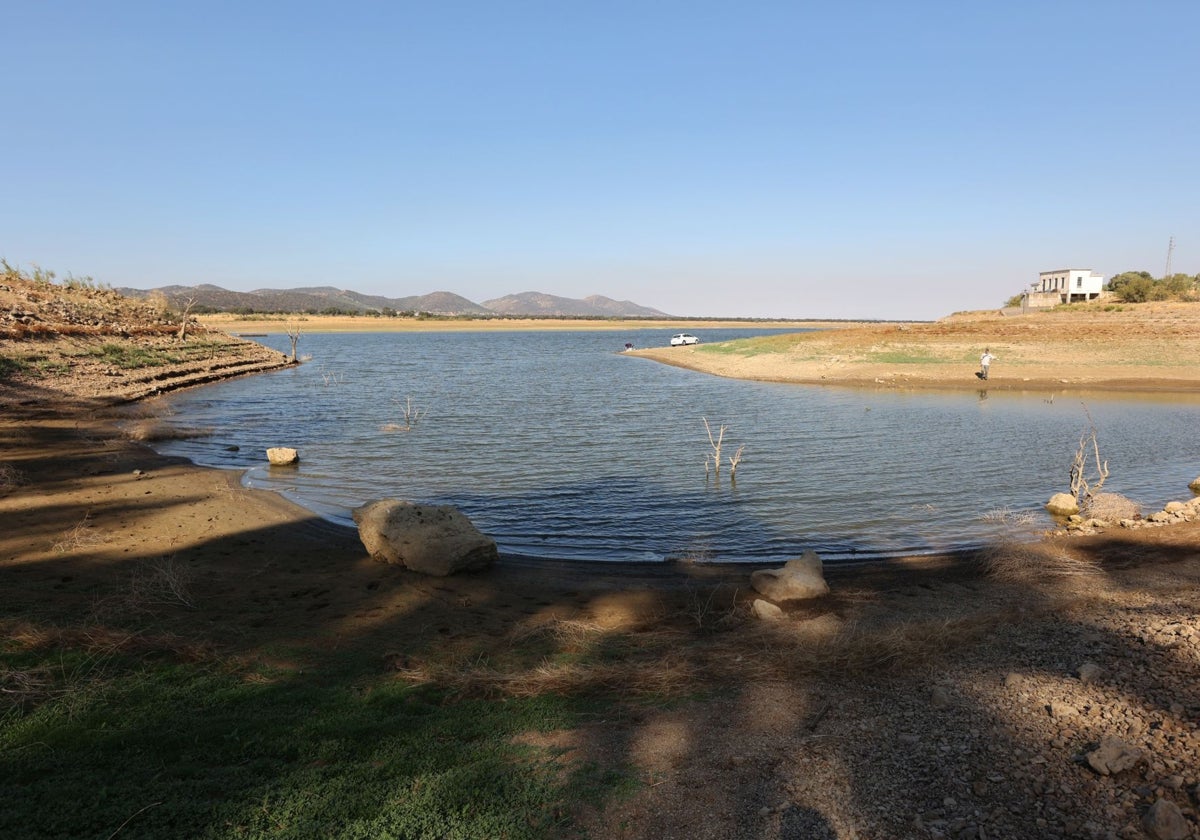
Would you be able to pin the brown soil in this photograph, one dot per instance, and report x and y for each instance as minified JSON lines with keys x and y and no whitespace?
{"x":1147,"y":347}
{"x":922,"y":698}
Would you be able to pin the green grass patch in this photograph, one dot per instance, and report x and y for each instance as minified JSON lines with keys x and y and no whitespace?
{"x":208,"y":751}
{"x":755,"y":346}
{"x":131,"y":356}
{"x":12,"y":365}
{"x":910,"y":357}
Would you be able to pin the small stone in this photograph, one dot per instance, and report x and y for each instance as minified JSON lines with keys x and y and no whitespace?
{"x":1114,"y":755}
{"x":765,"y":610}
{"x":1059,"y":709}
{"x":939,"y":698}
{"x":1165,"y":822}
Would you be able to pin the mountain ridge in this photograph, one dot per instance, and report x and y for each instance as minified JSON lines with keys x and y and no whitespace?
{"x":331,"y":300}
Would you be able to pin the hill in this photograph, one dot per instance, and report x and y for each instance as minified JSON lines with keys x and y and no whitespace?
{"x":332,"y":301}
{"x":551,"y":306}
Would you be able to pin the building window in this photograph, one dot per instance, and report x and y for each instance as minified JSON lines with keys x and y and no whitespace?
{"x":1078,"y":282}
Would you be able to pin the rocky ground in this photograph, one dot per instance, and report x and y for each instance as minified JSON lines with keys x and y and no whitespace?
{"x":60,"y":341}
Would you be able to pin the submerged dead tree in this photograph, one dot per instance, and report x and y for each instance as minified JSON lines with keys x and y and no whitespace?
{"x":715,"y":443}
{"x":713,"y":459}
{"x":1083,"y":487}
{"x":293,"y":334}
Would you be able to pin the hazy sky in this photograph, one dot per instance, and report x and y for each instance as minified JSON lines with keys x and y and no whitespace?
{"x":843,"y":159}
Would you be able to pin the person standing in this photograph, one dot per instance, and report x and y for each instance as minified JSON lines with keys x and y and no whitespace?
{"x":985,"y":361}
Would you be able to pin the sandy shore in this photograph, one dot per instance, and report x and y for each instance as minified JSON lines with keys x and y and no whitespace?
{"x":1151,"y":349}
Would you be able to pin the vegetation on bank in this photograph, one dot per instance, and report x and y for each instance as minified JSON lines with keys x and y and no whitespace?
{"x":108,"y":735}
{"x":1142,"y":287}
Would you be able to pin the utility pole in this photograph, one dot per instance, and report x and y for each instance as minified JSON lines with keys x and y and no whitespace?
{"x":1170,"y":250}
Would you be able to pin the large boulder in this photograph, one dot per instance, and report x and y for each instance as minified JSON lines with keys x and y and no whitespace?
{"x":1195,"y":485}
{"x":1062,"y":504}
{"x":282,"y":456}
{"x":800,"y":579}
{"x":431,"y":539}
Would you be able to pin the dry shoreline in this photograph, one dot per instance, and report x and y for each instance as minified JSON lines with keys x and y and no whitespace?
{"x":1149,"y":350}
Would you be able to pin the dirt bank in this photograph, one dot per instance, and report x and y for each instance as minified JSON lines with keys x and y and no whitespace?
{"x":1144,"y":347}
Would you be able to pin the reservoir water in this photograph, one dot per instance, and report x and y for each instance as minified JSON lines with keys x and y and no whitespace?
{"x":558,"y":445}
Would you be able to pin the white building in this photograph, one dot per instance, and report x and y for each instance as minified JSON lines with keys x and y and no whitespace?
{"x":1066,"y":285}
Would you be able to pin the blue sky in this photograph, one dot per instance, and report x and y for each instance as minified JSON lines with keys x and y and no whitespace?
{"x":848,"y":159}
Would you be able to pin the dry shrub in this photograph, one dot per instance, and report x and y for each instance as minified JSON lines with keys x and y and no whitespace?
{"x":161,"y":582}
{"x":1017,"y":562}
{"x":1110,"y":506}
{"x":82,"y":535}
{"x":154,"y":430}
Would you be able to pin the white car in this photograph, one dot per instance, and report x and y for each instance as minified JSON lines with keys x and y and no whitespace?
{"x":683,"y":338}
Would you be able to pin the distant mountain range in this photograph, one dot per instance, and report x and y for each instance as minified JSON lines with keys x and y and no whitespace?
{"x":326,"y":299}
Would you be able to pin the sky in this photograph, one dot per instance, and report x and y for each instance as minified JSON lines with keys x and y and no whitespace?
{"x":752,"y":159}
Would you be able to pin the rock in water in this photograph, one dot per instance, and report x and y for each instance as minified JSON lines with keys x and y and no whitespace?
{"x":431,"y":539}
{"x":282,"y":456}
{"x":1062,"y":504}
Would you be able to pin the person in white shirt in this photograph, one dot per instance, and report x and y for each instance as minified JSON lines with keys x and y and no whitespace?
{"x":985,"y":362}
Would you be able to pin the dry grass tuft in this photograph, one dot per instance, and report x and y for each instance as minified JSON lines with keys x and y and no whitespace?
{"x":82,"y":535}
{"x":1016,"y":562}
{"x":1110,"y":506}
{"x":24,"y":688}
{"x":1007,"y":516}
{"x":567,"y":633}
{"x":10,"y":478}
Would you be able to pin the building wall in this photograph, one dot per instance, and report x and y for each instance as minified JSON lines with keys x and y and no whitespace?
{"x":1071,"y":281}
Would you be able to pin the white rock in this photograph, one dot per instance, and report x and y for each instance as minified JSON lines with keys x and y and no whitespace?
{"x":800,"y":579}
{"x":282,"y":456}
{"x":765,"y":610}
{"x":431,"y":539}
{"x":1062,"y":504}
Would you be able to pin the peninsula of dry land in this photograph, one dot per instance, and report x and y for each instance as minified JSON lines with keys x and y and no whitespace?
{"x":184,"y":657}
{"x":1128,"y":347}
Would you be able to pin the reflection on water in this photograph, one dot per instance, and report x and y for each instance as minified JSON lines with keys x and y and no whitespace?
{"x":557,"y":444}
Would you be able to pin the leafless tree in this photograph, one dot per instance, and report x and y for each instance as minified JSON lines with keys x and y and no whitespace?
{"x":1082,"y":487}
{"x":184,"y":315}
{"x":293,"y":334}
{"x":715,"y":443}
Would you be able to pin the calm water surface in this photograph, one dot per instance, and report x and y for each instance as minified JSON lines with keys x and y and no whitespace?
{"x":557,"y":445}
